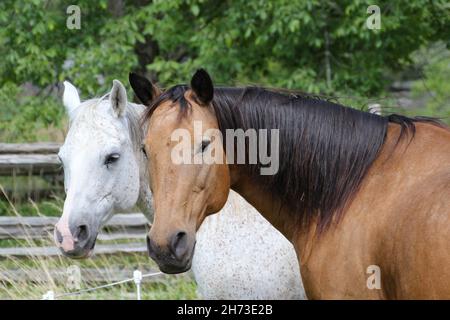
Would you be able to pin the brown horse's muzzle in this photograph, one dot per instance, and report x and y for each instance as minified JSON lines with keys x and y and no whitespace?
{"x":176,"y":255}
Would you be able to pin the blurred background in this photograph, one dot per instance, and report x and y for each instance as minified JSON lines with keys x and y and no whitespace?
{"x":320,"y":47}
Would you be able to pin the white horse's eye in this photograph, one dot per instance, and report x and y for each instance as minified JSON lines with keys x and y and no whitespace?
{"x":111,"y":158}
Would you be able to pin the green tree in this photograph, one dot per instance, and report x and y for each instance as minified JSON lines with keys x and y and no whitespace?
{"x":310,"y":45}
{"x":435,"y":87}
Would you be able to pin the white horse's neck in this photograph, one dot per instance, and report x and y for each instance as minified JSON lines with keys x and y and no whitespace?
{"x":145,"y":199}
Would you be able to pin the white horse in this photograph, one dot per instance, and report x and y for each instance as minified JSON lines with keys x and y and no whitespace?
{"x":105,"y":172}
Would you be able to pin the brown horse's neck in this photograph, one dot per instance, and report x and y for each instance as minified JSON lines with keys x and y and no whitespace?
{"x":280,"y":215}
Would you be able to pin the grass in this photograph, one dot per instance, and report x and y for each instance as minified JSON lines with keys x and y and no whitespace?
{"x":31,"y":208}
{"x":167,"y":287}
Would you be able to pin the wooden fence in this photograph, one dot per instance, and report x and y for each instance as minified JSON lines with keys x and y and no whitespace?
{"x":34,"y":169}
{"x":29,"y":159}
{"x":120,"y":227}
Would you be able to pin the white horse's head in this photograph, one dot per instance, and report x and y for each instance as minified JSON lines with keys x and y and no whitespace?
{"x":104,"y":170}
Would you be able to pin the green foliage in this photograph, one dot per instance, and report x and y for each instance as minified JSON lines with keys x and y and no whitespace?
{"x":25,"y":118}
{"x":436,"y":88}
{"x":283,"y":43}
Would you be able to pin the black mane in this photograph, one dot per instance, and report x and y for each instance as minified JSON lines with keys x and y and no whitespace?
{"x":326,"y":149}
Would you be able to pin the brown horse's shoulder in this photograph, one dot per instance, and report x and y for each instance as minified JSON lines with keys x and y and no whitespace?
{"x":414,"y":157}
{"x":416,"y":245}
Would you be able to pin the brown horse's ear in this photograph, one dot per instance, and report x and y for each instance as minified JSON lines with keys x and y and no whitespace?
{"x":202,"y":86}
{"x":143,"y":88}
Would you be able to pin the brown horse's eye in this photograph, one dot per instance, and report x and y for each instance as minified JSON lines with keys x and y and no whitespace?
{"x":205,"y":144}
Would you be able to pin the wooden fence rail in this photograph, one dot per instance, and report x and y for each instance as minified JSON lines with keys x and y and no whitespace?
{"x":120,"y":227}
{"x":27,"y":148}
{"x":29,"y":159}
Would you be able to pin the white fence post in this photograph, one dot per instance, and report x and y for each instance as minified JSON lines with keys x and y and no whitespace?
{"x":137,"y":277}
{"x":49,"y":295}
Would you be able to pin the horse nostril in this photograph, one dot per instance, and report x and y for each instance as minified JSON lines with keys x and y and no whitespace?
{"x":81,"y":234}
{"x":179,"y":244}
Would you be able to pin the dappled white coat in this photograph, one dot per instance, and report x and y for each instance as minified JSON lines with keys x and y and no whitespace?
{"x":239,"y":255}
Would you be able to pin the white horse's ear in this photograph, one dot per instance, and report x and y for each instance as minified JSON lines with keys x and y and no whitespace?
{"x":71,"y":99}
{"x":118,"y":98}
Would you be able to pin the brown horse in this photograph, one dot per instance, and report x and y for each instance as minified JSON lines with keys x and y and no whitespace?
{"x":370,"y":194}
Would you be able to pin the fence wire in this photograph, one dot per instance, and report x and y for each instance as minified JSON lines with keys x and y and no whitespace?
{"x":137,"y":279}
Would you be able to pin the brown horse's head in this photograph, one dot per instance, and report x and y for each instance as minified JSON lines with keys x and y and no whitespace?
{"x":189,"y":175}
